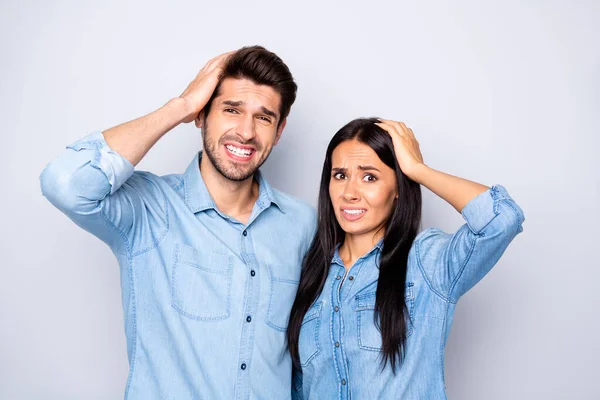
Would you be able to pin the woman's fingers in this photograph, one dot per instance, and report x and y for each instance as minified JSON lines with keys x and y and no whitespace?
{"x":390,"y":128}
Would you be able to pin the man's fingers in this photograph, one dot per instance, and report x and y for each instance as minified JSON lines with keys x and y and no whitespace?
{"x":218,"y":61}
{"x":214,"y":63}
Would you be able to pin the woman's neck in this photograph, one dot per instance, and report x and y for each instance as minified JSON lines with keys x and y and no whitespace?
{"x":356,"y":246}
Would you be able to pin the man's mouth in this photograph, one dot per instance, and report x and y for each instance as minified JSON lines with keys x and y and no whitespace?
{"x":240,"y":153}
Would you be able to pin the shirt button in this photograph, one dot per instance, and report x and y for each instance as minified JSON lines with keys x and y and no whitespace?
{"x":351,"y":278}
{"x":248,"y":318}
{"x":245,"y":233}
{"x":252,"y":273}
{"x":337,"y":344}
{"x":336,"y":308}
{"x":243,"y":366}
{"x":338,"y":277}
{"x":343,"y":381}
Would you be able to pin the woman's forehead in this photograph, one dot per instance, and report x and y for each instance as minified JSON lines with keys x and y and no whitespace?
{"x":354,"y":153}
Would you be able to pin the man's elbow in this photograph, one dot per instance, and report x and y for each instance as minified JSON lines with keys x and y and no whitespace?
{"x":62,"y":187}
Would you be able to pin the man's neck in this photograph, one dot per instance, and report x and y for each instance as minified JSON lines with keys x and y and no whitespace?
{"x":232,"y":198}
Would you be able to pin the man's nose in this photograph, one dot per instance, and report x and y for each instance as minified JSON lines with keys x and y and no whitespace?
{"x":246,"y":128}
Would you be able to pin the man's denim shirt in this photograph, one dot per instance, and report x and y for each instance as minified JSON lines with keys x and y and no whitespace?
{"x":206,"y":299}
{"x":339,"y":342}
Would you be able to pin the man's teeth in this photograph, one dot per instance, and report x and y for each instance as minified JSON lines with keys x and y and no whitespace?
{"x":237,"y":151}
{"x":354,"y":212}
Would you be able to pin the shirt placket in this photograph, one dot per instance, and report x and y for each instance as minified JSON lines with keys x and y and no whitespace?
{"x":242,"y":388}
{"x":337,"y":338}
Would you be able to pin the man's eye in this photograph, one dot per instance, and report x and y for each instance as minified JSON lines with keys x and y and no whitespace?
{"x":231,"y":110}
{"x":266,"y":119}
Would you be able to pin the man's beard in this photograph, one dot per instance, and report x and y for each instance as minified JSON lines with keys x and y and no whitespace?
{"x":233,"y":171}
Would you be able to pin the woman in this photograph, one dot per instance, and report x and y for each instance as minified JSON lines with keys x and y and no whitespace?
{"x":375,"y":301}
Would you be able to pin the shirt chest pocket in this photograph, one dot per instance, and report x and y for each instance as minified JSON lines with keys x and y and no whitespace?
{"x":201,"y":283}
{"x":308,"y":342}
{"x":369,"y":336}
{"x":281,"y":297}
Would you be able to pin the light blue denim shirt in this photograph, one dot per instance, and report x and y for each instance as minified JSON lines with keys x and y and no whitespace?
{"x":206,"y":299}
{"x":339,"y":342}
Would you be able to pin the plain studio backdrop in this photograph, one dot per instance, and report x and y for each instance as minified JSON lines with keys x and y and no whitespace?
{"x":496,"y":91}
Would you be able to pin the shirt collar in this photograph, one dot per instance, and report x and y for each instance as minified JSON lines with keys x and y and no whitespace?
{"x":376,"y":249}
{"x":197,"y":196}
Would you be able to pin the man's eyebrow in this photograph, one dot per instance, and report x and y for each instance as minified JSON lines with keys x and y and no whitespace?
{"x":233,"y":103}
{"x":239,"y":103}
{"x":269,"y":112}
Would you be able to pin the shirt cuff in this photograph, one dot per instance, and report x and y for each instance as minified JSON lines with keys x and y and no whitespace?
{"x":480,"y":211}
{"x":116,"y":168}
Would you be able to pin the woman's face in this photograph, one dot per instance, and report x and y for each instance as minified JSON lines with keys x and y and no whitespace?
{"x":362,"y":189}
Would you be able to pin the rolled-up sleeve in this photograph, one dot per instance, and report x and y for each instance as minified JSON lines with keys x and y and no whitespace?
{"x":116,"y":168}
{"x":83,"y":182}
{"x":454,"y":263}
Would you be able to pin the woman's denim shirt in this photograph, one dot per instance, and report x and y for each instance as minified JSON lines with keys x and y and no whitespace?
{"x":340,"y":345}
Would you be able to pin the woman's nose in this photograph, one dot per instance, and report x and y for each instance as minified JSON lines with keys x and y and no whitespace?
{"x":351,"y":193}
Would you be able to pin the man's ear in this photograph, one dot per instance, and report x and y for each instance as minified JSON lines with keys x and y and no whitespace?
{"x":280,"y":131}
{"x":199,"y":121}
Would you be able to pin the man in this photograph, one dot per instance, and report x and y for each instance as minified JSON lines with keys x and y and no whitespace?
{"x":210,"y":259}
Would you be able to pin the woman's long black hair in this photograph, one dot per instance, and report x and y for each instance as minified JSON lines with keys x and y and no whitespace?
{"x":391,"y":313}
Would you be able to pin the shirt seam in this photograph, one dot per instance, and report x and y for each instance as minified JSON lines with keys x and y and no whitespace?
{"x":157,"y":241}
{"x":463,"y":267}
{"x":425,"y":277}
{"x":134,"y":316}
{"x":132,"y":296}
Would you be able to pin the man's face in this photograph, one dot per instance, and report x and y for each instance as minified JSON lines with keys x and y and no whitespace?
{"x":241,"y":128}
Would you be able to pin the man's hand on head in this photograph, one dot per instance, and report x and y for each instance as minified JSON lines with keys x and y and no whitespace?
{"x":200,"y":90}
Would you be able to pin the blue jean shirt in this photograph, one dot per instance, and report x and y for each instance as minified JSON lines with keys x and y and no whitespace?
{"x":206,"y":299}
{"x":340,"y":345}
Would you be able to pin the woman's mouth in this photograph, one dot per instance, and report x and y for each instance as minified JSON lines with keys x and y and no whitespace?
{"x":353,"y":214}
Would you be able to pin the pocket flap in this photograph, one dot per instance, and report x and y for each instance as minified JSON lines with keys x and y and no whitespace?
{"x":366,"y":301}
{"x":312,"y":313}
{"x":210,"y":262}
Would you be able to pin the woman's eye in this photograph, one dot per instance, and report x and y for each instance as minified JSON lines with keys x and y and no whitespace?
{"x":369,"y":178}
{"x":339,"y":175}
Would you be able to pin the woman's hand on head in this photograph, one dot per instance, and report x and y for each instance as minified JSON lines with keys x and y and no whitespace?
{"x":406,"y":147}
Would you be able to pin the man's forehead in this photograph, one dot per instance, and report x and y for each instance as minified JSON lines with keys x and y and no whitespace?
{"x":248,"y":92}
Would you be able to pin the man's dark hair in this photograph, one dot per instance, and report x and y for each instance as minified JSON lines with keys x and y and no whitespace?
{"x":262,"y":67}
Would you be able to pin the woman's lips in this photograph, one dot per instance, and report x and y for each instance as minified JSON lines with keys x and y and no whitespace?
{"x":353,"y":214}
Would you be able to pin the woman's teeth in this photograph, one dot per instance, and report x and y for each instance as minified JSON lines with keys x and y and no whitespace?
{"x":354,"y":212}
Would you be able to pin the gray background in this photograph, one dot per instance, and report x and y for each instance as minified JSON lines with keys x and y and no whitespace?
{"x":496,"y":91}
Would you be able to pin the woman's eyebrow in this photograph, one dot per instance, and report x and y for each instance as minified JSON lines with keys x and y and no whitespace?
{"x":367,"y":168}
